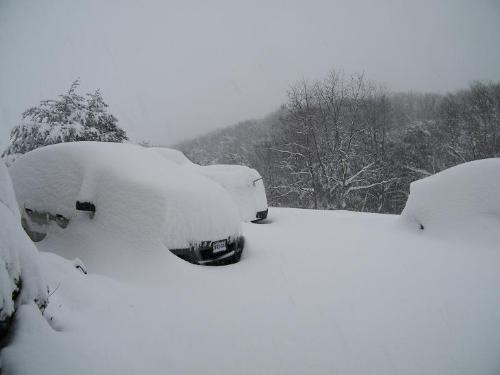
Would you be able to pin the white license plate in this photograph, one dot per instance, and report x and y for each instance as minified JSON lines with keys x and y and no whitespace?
{"x":219,"y":246}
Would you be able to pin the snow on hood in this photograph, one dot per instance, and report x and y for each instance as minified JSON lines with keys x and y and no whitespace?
{"x":136,"y":193}
{"x":458,"y":197}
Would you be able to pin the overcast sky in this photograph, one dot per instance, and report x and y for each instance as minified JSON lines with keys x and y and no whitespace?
{"x":174,"y":69}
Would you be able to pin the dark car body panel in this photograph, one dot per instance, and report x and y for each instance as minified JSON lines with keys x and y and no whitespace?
{"x":203,"y":253}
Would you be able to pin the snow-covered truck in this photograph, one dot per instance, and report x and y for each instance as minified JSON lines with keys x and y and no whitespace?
{"x":80,"y":191}
{"x":244,"y":184}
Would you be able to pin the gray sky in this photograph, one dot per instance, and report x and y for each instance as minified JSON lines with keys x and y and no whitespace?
{"x":174,"y":69}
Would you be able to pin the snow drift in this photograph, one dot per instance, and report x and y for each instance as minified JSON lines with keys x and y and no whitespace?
{"x":21,"y":280}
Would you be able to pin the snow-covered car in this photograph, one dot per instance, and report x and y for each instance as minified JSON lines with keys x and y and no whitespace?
{"x":461,"y":200}
{"x":244,"y":184}
{"x":71,"y":191}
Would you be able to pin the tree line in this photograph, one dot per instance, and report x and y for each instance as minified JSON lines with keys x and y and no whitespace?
{"x":344,"y":142}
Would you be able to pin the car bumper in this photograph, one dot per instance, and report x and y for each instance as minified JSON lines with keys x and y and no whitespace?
{"x":204,"y":253}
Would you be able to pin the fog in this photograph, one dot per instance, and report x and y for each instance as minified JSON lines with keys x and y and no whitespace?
{"x":171,"y":70}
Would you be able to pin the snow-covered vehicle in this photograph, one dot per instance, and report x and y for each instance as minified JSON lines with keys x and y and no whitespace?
{"x":244,"y":184}
{"x":72,"y":191}
{"x":463,"y":200}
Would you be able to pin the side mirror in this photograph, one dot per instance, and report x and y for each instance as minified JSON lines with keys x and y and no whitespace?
{"x":255,"y":181}
{"x":85,"y":206}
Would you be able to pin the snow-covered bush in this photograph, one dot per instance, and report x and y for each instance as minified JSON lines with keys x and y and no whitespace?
{"x":70,"y":118}
{"x":456,"y":198}
{"x":21,"y":280}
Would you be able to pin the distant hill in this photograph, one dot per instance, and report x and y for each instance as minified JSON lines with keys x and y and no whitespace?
{"x":244,"y":143}
{"x":356,"y":152}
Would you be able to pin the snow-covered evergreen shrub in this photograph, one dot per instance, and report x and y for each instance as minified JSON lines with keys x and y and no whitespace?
{"x":21,"y":279}
{"x":69,"y":118}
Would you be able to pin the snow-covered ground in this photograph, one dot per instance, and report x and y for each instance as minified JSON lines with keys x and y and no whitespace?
{"x":315,"y":293}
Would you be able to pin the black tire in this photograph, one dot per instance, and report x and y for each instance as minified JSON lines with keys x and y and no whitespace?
{"x":239,"y":250}
{"x":236,"y":256}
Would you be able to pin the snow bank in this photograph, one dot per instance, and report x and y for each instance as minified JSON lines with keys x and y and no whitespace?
{"x":19,"y":270}
{"x":142,"y":201}
{"x":457,"y":199}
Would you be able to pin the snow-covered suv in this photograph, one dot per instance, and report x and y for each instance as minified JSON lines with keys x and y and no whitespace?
{"x":93,"y":193}
{"x":244,"y":184}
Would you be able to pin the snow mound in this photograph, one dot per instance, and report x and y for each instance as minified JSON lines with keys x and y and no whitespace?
{"x":463,"y":196}
{"x":21,"y":280}
{"x":142,"y":201}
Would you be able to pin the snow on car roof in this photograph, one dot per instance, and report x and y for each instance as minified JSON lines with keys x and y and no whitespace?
{"x":224,"y":174}
{"x":171,"y":154}
{"x":231,"y":175}
{"x":132,"y":189}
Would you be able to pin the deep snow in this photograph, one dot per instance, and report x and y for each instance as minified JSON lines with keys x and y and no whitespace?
{"x":316,"y":292}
